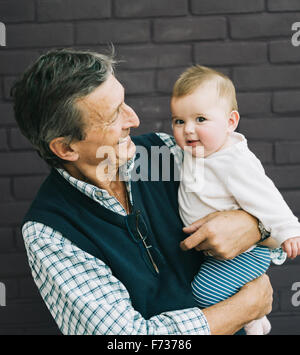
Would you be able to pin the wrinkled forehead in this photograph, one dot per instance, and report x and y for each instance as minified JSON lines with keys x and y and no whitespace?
{"x":102,"y":102}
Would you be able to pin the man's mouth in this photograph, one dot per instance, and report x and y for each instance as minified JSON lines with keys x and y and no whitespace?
{"x":124,"y":140}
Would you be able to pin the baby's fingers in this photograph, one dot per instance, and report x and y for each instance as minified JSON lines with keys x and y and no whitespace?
{"x":286,"y":246}
{"x":294,"y":249}
{"x":298,"y":247}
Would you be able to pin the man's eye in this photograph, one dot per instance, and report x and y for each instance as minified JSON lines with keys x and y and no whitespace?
{"x":200,"y":119}
{"x":178,"y":122}
{"x":116,"y":115}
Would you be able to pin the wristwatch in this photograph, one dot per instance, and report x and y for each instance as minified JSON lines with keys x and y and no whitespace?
{"x":264,"y":234}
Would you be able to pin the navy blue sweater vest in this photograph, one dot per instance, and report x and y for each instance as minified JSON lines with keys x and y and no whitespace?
{"x":111,"y":237}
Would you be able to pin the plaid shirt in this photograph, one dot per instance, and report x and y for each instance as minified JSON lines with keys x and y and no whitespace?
{"x":81,"y":292}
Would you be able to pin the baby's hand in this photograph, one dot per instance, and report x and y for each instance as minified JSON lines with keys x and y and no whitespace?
{"x":292,"y":247}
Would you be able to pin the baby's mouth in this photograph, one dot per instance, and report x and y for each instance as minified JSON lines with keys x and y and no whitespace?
{"x":192,"y":142}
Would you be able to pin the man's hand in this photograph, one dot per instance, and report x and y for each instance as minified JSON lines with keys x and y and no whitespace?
{"x":253,"y":301}
{"x":259,"y":294}
{"x":223,"y":235}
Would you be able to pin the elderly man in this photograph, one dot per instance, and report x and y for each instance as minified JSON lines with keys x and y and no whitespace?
{"x":104,"y":254}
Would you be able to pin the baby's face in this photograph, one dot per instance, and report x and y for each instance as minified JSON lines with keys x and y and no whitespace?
{"x":201,"y":119}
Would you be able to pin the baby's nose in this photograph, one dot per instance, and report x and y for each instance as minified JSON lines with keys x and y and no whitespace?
{"x":189,"y":128}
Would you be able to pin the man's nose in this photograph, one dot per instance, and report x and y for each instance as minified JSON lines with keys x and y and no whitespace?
{"x":131,"y":118}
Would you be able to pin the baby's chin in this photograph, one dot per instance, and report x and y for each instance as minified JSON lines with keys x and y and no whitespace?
{"x":197,"y":151}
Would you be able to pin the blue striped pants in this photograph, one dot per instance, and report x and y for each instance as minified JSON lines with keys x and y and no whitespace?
{"x":218,"y":280}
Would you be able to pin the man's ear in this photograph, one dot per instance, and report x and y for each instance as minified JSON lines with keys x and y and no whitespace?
{"x":63,"y":150}
{"x":233,"y":121}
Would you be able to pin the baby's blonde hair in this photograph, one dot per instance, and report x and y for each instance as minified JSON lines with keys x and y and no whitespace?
{"x":197,"y":75}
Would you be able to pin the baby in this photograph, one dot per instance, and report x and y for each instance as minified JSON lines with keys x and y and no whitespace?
{"x":204,"y":118}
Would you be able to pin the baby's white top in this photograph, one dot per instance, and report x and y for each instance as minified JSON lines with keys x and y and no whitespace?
{"x":234,"y":178}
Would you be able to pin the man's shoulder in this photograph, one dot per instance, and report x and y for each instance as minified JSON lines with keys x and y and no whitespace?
{"x":160,"y":139}
{"x":157,"y":138}
{"x":167,"y":139}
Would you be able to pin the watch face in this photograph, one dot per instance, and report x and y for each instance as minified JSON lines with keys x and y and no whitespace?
{"x":263,"y":232}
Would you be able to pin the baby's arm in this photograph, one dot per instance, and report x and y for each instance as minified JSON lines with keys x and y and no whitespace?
{"x":292,"y":247}
{"x":257,"y":194}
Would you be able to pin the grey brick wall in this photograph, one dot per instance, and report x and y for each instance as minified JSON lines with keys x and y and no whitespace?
{"x":157,"y":39}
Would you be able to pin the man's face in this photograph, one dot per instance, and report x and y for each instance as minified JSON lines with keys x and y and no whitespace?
{"x":108,"y":121}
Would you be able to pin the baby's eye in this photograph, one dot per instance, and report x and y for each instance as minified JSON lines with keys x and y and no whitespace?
{"x":178,"y":122}
{"x":200,"y":119}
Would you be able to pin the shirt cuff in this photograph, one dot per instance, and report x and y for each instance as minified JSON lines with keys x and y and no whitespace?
{"x":278,"y":256}
{"x":189,"y":322}
{"x":285,"y":232}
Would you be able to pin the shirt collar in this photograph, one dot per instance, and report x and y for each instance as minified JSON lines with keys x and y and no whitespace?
{"x":93,"y":191}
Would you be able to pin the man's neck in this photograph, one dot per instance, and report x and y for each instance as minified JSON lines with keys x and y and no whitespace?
{"x":89,"y":175}
{"x":111,"y":182}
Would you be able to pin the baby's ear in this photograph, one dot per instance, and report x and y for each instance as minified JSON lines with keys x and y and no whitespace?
{"x":233,"y":121}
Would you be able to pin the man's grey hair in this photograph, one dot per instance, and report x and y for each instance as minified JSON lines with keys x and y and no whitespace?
{"x":45,"y":96}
